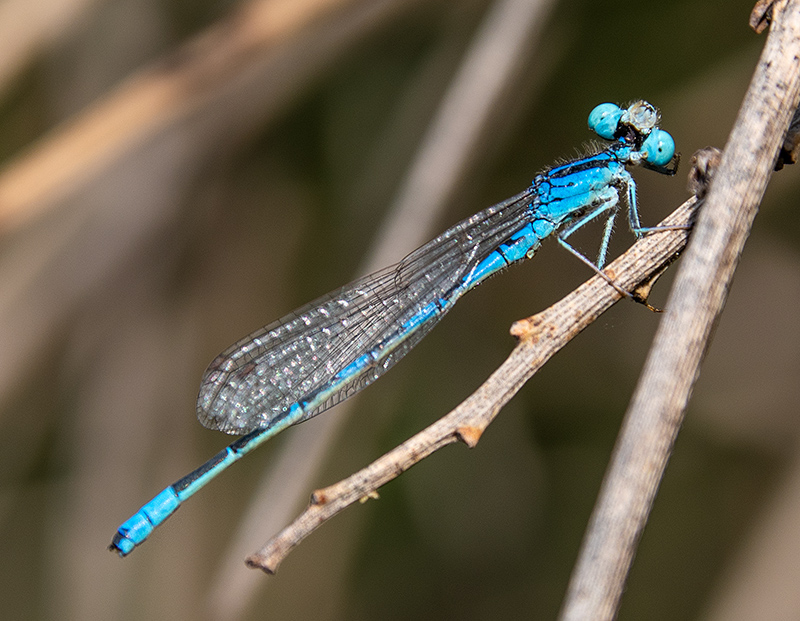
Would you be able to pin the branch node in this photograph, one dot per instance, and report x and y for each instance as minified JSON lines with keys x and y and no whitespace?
{"x":254,"y":561}
{"x":761,"y":15}
{"x":319,"y":497}
{"x":469,"y":435}
{"x":530,"y":328}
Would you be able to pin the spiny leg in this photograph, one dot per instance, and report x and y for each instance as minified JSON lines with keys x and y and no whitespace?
{"x":609,"y":229}
{"x":610,"y":198}
{"x":633,"y":210}
{"x":610,"y":202}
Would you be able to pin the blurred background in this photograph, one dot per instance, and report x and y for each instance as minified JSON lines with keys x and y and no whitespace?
{"x":176,"y":174}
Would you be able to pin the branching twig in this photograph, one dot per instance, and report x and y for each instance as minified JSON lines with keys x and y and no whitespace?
{"x":698,"y":296}
{"x":540,"y":336}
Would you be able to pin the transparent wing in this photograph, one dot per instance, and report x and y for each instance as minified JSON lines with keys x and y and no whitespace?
{"x":328,"y":350}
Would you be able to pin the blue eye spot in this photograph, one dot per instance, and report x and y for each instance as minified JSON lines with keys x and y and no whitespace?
{"x":659,"y":148}
{"x":604,"y":120}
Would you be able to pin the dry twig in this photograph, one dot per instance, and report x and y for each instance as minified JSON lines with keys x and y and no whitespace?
{"x":698,"y":296}
{"x":540,"y":336}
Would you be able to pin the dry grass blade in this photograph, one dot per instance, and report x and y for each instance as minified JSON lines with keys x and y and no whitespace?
{"x":222,"y":60}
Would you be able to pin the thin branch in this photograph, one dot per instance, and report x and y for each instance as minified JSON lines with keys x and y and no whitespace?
{"x":698,"y":296}
{"x":540,"y":336}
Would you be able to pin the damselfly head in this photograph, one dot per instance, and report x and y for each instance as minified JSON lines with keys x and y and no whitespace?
{"x":637,"y":128}
{"x":631,"y":125}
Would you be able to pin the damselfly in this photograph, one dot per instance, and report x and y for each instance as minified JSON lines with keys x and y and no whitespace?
{"x":328,"y":350}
